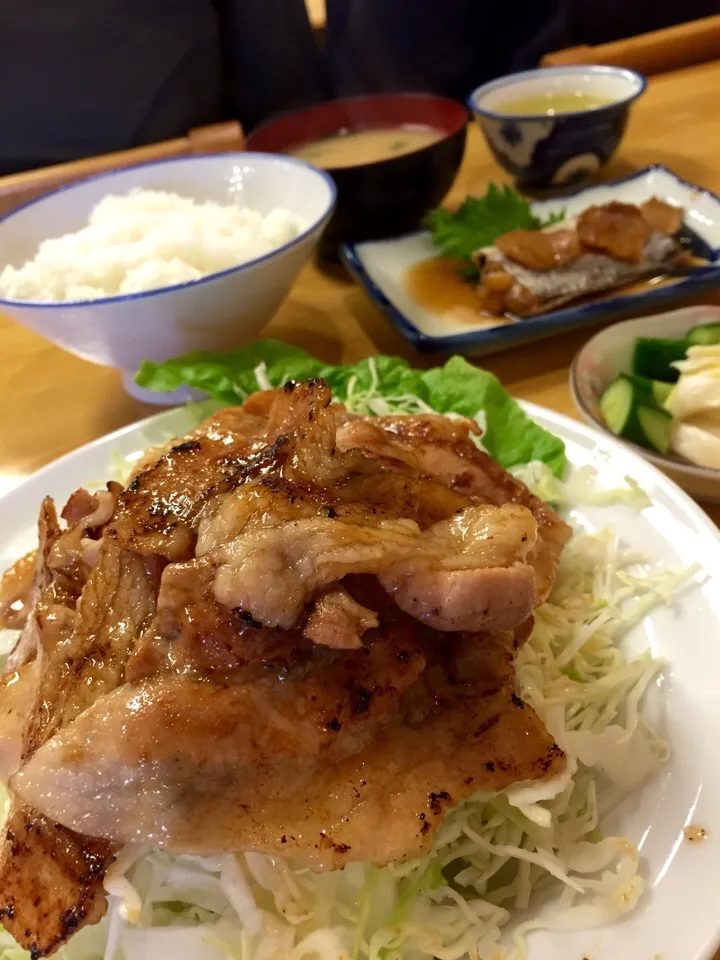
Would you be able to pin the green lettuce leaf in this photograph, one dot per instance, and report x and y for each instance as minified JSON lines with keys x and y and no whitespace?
{"x":378,"y":384}
{"x":479,"y":221}
{"x":510,"y":436}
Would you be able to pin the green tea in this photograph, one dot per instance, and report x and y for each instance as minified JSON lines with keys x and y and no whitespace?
{"x":552,"y":103}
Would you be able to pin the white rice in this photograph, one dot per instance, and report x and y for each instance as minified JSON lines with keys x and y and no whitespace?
{"x":144,"y":240}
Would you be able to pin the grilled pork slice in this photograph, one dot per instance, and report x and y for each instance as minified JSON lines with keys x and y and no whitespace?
{"x":51,"y":881}
{"x":59,"y":573}
{"x":195,"y":635}
{"x":338,"y":621}
{"x":16,"y":591}
{"x":272,"y":571}
{"x":82,"y":656}
{"x":157,"y":513}
{"x":354,"y":760}
{"x":320,"y":514}
{"x":275,"y":643}
{"x":117,"y":602}
{"x":444,"y":450}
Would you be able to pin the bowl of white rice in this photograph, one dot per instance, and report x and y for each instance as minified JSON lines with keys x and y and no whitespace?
{"x":152,"y":261}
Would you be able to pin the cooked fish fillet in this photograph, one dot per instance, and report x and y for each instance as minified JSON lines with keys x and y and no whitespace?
{"x":663,"y":217}
{"x":540,"y":249}
{"x":618,"y":229}
{"x":530,"y":272}
{"x":590,"y":273}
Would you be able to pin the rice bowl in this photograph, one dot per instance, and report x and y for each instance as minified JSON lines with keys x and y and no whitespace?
{"x":144,"y":240}
{"x":217,"y":311}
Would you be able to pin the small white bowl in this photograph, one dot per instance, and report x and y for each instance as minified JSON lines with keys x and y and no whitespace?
{"x":609,"y":353}
{"x":215,"y":312}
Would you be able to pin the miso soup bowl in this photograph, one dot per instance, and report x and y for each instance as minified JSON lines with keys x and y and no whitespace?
{"x":563,"y":150}
{"x":386,"y":197}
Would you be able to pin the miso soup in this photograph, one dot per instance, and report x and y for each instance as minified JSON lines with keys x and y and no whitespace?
{"x":357,"y":147}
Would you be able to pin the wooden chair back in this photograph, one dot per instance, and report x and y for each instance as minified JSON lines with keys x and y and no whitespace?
{"x":18,"y":188}
{"x":658,"y":52}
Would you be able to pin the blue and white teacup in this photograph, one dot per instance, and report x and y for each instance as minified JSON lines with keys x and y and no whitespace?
{"x":556,"y":149}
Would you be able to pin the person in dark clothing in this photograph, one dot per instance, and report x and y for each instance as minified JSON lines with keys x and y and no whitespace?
{"x":84,"y":77}
{"x":445,"y":47}
{"x":449,"y":47}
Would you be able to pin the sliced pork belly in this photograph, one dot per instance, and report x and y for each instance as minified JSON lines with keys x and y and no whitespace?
{"x":355,"y":761}
{"x":294,"y":632}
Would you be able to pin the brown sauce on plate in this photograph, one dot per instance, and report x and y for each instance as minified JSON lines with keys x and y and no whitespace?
{"x":436,"y":286}
{"x":695,"y":834}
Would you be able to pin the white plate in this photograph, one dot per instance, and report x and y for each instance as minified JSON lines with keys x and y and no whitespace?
{"x":380,"y":266}
{"x":679,"y":917}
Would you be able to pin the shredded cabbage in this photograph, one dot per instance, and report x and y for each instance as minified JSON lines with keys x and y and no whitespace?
{"x":580,"y":489}
{"x":494,"y":857}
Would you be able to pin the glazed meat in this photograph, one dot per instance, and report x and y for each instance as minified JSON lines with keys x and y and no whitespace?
{"x":51,"y":877}
{"x":444,"y":450}
{"x":338,"y":621}
{"x":538,"y":250}
{"x":663,"y":217}
{"x":530,"y":272}
{"x":618,"y":229}
{"x":16,"y":591}
{"x":157,"y":513}
{"x":294,"y":632}
{"x":52,"y":881}
{"x":303,"y":759}
{"x":272,"y":572}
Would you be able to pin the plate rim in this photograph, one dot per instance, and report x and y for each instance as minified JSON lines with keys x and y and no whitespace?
{"x":519,"y":332}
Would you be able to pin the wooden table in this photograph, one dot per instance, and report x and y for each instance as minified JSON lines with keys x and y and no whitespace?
{"x":52,"y":402}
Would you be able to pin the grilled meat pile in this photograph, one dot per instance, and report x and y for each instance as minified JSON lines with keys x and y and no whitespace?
{"x":293,"y":633}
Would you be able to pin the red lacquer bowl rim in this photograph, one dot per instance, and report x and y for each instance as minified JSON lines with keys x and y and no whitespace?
{"x":368,"y":112}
